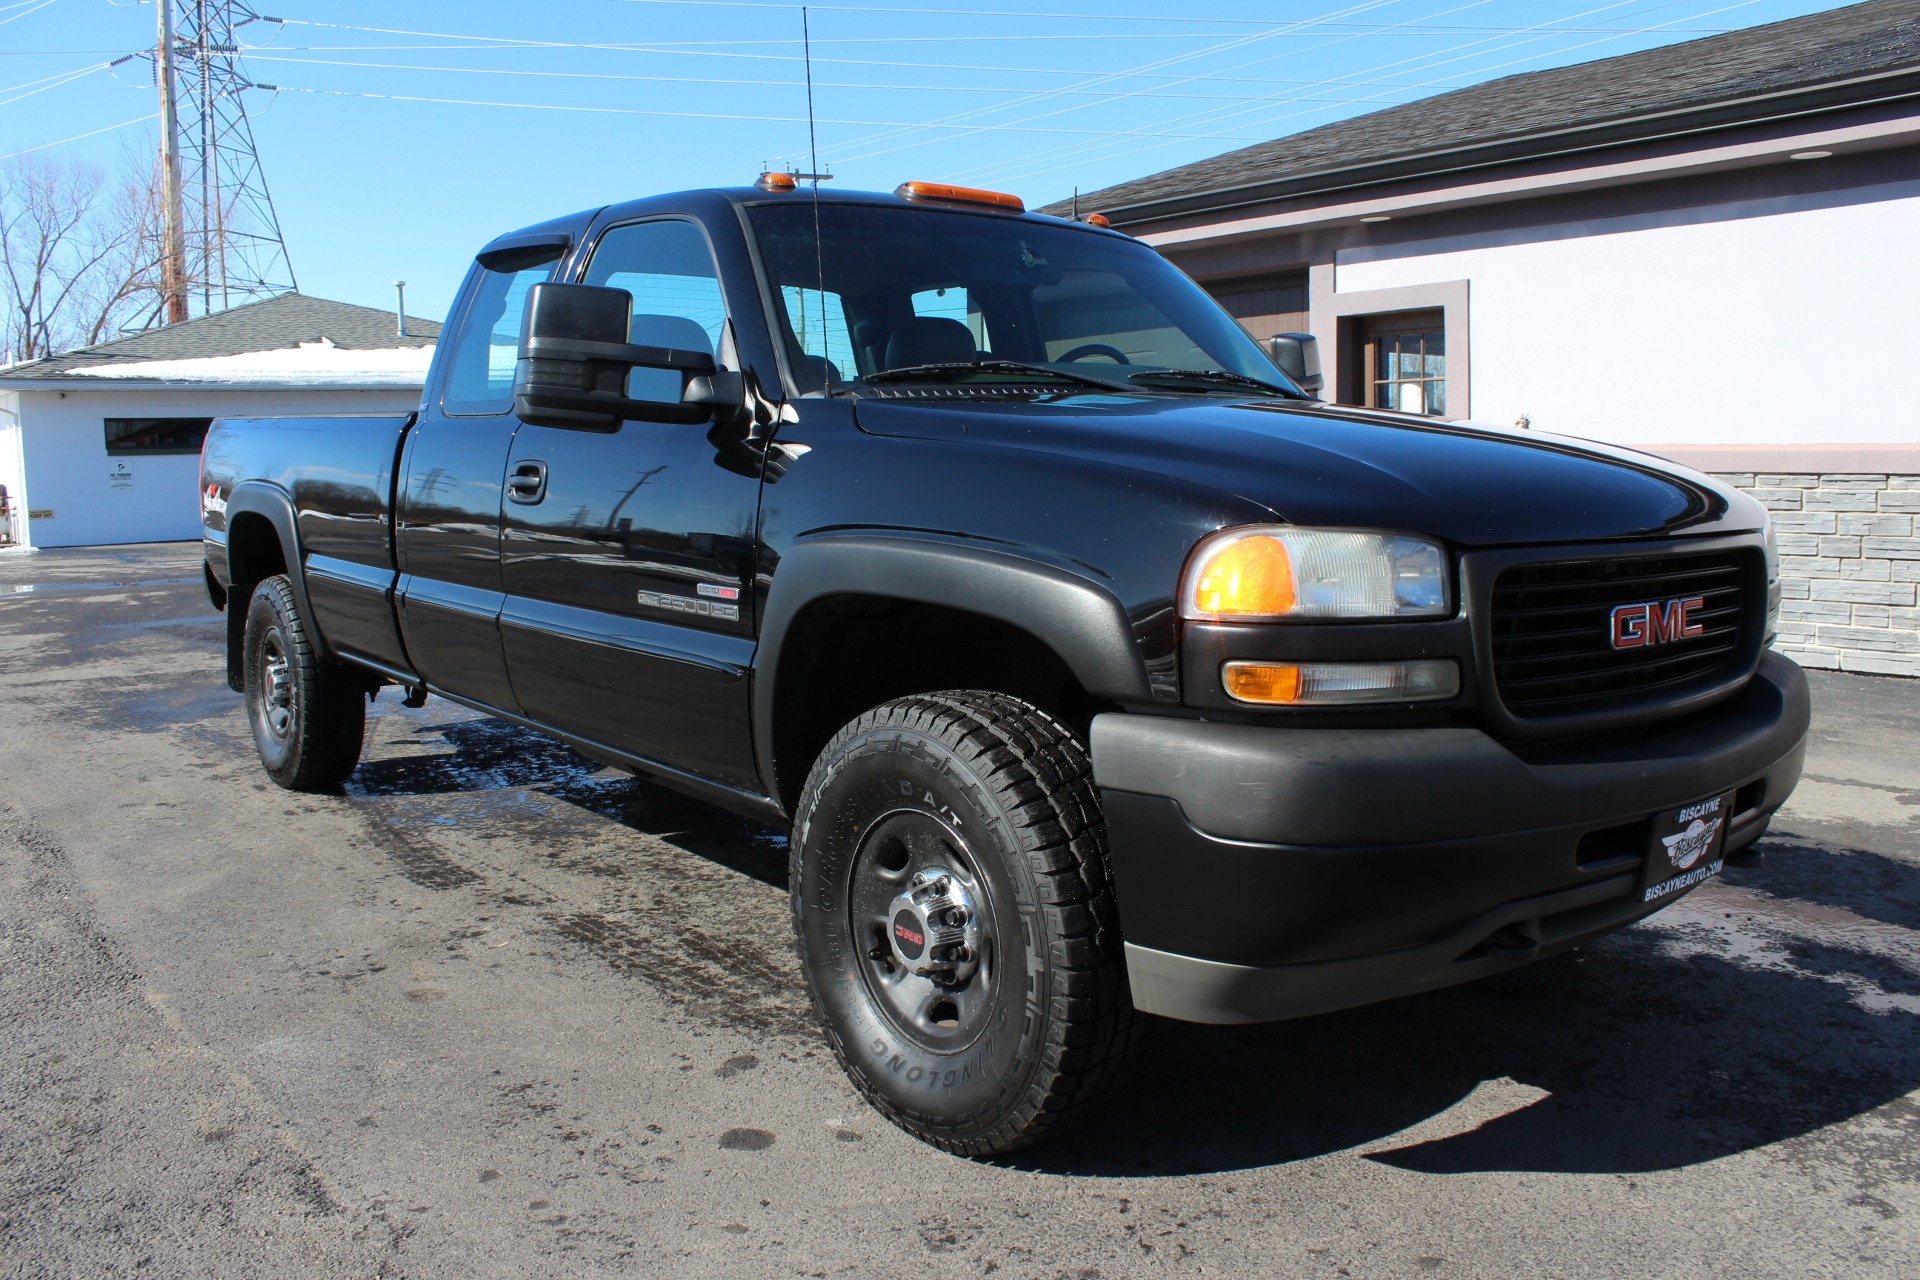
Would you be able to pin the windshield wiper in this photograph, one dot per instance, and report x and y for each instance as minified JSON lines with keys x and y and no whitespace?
{"x":957,"y":369}
{"x":1213,"y":377}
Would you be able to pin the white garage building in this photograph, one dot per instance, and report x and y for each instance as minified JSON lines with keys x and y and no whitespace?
{"x":102,"y":445}
{"x":1709,"y":251}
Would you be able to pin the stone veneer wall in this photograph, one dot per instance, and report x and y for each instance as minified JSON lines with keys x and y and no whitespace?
{"x":1849,"y":567}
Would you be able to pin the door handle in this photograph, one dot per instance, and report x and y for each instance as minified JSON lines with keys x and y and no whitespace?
{"x":528,"y":483}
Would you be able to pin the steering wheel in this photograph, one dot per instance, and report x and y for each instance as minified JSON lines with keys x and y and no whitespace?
{"x":1086,"y":349}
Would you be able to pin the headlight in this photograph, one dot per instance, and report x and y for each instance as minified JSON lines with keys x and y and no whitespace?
{"x":1261,"y":573}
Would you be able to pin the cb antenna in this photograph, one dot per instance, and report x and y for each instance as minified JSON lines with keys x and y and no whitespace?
{"x":813,"y":165}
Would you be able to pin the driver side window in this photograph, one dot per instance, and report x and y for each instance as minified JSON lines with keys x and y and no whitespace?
{"x":677,"y":302}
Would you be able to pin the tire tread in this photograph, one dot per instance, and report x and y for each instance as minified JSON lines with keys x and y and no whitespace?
{"x":1043,"y":780}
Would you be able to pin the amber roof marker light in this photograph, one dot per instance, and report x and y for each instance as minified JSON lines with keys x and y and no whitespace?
{"x":776,"y":182}
{"x":947,"y":194}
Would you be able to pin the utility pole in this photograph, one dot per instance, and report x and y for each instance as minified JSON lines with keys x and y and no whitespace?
{"x":173,"y":251}
{"x":214,"y":199}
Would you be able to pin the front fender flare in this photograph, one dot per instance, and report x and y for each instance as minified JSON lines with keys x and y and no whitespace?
{"x":1076,"y":617}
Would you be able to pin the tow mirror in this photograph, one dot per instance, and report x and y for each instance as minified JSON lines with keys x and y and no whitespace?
{"x":578,"y":368}
{"x":1298,"y":355}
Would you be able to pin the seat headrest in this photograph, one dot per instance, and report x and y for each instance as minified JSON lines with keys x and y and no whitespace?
{"x":678,"y":332}
{"x":930,"y":340}
{"x":816,"y":373}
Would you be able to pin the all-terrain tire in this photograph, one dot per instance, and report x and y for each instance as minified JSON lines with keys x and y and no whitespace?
{"x":309,"y":717}
{"x":974,"y":798}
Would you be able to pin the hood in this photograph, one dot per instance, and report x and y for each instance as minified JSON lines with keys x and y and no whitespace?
{"x":1314,"y":464}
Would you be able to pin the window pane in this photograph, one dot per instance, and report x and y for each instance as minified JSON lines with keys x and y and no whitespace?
{"x":1410,"y":366}
{"x":135,"y":436}
{"x":820,"y":327}
{"x":1097,"y":307}
{"x":480,"y":379}
{"x":668,"y":269}
{"x":953,"y":303}
{"x":1032,"y":293}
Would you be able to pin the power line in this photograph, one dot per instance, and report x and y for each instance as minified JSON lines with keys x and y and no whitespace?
{"x":36,"y":8}
{"x":684,"y":115}
{"x":1022,"y":166}
{"x":78,"y":136}
{"x":1096,"y":81}
{"x":778,"y":84}
{"x":1035,"y":164}
{"x":1105,"y":17}
{"x":1169,"y":62}
{"x":255,"y":50}
{"x":57,"y":79}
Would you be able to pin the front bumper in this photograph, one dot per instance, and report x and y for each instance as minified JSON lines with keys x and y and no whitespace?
{"x":1267,"y":872}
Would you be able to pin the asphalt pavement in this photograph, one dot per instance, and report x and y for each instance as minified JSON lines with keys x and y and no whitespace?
{"x":498,"y":1012}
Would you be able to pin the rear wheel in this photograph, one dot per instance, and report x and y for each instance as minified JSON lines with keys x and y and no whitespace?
{"x":956,"y":923}
{"x":308,"y":716}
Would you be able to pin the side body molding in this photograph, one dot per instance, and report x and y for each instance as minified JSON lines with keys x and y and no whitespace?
{"x":1073,"y":615}
{"x":257,"y":497}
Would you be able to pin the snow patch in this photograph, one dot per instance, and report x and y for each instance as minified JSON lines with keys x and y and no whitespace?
{"x":311,"y":362}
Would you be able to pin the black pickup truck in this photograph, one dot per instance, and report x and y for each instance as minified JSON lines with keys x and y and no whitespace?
{"x":1096,"y":668}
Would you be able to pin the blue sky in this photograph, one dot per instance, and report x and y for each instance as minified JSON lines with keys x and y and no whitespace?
{"x":389,"y":158}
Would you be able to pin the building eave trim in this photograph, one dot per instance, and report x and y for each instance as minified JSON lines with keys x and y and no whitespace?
{"x":1880,"y":89}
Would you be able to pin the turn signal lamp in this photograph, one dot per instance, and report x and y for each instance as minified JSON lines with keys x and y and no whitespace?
{"x":1269,"y":573}
{"x":960,"y":195}
{"x":1322,"y":684}
{"x":776,"y":182}
{"x":1245,"y":577}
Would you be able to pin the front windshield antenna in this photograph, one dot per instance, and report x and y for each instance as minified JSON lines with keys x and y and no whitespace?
{"x":813,"y":167}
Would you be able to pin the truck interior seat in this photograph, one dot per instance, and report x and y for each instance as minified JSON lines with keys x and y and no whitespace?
{"x":677,"y":332}
{"x":930,"y":340}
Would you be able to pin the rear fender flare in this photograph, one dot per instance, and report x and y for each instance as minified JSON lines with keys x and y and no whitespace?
{"x":1079,"y":619}
{"x":256,"y":497}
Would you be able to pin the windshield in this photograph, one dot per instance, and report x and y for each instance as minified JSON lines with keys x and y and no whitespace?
{"x":888,"y":291}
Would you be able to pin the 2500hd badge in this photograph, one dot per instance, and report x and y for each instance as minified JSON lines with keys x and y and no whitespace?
{"x":1097,"y":668}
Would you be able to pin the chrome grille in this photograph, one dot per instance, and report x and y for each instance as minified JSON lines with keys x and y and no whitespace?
{"x":1552,"y":630}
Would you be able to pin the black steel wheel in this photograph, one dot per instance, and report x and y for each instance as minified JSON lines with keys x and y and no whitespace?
{"x":308,"y":717}
{"x":955,"y":920}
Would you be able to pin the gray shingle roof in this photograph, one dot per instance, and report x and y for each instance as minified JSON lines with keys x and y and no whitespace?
{"x":1840,"y":44}
{"x":270,"y":325}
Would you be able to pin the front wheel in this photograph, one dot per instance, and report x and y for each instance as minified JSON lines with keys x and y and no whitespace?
{"x":308,"y":716}
{"x":956,"y":923}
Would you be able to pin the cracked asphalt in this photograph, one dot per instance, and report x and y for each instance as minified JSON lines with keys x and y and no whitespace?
{"x":495,"y":1011}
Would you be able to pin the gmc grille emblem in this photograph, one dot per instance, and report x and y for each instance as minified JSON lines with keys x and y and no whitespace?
{"x":1636,"y":626}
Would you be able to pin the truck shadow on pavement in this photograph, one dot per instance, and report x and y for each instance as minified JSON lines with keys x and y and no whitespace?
{"x":488,"y":755}
{"x":1646,"y":1051}
{"x":1670,"y":1044}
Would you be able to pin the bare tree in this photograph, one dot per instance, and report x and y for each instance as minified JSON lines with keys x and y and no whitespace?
{"x":78,"y":254}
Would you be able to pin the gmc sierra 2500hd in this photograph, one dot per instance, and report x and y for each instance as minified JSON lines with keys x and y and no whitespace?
{"x":1096,"y":669}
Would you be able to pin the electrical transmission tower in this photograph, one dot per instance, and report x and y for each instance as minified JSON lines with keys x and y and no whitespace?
{"x":221,"y":241}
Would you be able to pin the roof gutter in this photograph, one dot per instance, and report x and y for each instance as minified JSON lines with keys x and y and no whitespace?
{"x":1881,"y":88}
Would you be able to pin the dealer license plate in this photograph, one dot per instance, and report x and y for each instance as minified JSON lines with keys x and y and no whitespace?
{"x":1688,"y":845}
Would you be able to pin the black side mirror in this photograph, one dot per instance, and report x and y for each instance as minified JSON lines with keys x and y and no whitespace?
{"x":1298,"y":355}
{"x":575,"y":361}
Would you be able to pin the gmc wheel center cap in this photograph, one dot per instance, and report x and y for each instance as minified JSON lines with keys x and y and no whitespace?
{"x":935,"y":929}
